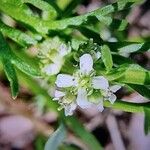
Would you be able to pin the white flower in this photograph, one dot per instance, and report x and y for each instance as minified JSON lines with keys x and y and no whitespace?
{"x":82,"y":99}
{"x":64,"y":80}
{"x":52,"y":53}
{"x":100,"y":82}
{"x":89,"y":90}
{"x":68,"y":105}
{"x":51,"y":69}
{"x":86,"y":64}
{"x":69,"y":109}
{"x":108,"y":93}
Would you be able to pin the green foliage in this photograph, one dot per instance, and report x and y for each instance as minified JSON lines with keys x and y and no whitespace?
{"x":129,"y":47}
{"x":5,"y":57}
{"x":56,"y":139}
{"x":24,"y":66}
{"x":48,"y":11}
{"x":9,"y":60}
{"x":42,"y":26}
{"x":106,"y":57}
{"x":16,"y":35}
{"x":12,"y":77}
{"x":85,"y":136}
{"x":143,"y":90}
{"x":136,"y":75}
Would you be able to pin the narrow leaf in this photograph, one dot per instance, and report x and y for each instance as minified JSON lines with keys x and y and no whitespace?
{"x":25,"y":67}
{"x":100,"y":14}
{"x":127,"y":106}
{"x":5,"y":57}
{"x":89,"y":33}
{"x":13,"y":9}
{"x":120,"y":25}
{"x":129,"y":47}
{"x":49,"y":11}
{"x":85,"y":136}
{"x":56,"y":139}
{"x":12,"y":77}
{"x":106,"y":57}
{"x":141,"y":89}
{"x":16,"y":35}
{"x":44,"y":26}
{"x":115,"y":74}
{"x":136,"y":75}
{"x":71,"y":6}
{"x":134,"y":48}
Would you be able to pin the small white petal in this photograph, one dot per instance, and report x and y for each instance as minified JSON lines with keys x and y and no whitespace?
{"x":112,"y":98}
{"x":82,"y":100}
{"x":98,"y":55}
{"x":115,"y":88}
{"x":63,"y":50}
{"x":100,"y":82}
{"x":55,"y":99}
{"x":86,"y":63}
{"x":64,"y":80}
{"x":100,"y":106}
{"x":69,"y":109}
{"x":51,"y":69}
{"x":59,"y":94}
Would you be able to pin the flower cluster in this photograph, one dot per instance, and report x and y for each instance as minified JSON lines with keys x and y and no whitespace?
{"x":51,"y":54}
{"x":83,"y":88}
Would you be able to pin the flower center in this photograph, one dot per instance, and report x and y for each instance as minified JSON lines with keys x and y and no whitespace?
{"x":85,"y":81}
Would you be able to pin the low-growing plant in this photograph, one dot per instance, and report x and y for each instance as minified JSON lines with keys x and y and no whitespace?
{"x":81,"y":60}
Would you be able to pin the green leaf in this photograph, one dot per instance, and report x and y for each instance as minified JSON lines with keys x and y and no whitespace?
{"x":136,"y":75}
{"x":48,"y":10}
{"x":5,"y":52}
{"x":62,"y":4}
{"x":134,"y":48}
{"x":127,"y":106}
{"x":19,"y":11}
{"x":119,"y":60}
{"x":147,"y":120}
{"x":8,"y":58}
{"x":70,"y":147}
{"x":89,"y":33}
{"x":12,"y":77}
{"x":85,"y":136}
{"x":71,"y":6}
{"x":128,"y":47}
{"x":25,"y":67}
{"x":141,"y":89}
{"x":5,"y":57}
{"x":100,"y":14}
{"x":120,"y":25}
{"x":106,"y":57}
{"x":56,"y":139}
{"x":14,"y":7}
{"x":16,"y":35}
{"x":116,"y":73}
{"x":130,"y":74}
